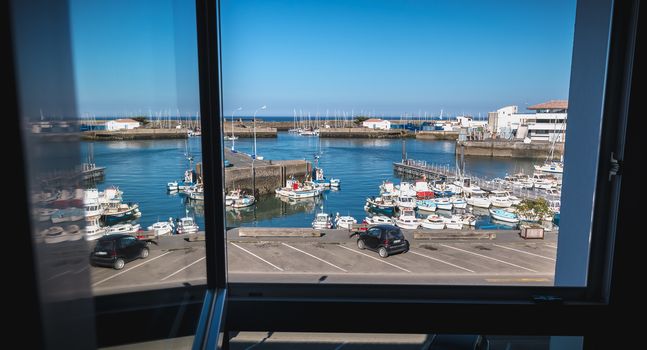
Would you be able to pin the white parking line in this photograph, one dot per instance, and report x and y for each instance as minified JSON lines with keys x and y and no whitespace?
{"x":529,"y":253}
{"x":256,"y":256}
{"x":341,"y":345}
{"x":184,"y":268}
{"x":374,"y":258}
{"x":124,"y":271}
{"x":489,"y":257}
{"x":312,"y":256}
{"x":441,"y":261}
{"x":59,"y":275}
{"x":550,"y":245}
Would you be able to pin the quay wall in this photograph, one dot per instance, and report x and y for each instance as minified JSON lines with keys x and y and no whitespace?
{"x":268,"y":176}
{"x":512,"y":149}
{"x":248,"y":132}
{"x":134,"y":134}
{"x":363,"y":133}
{"x":437,"y":135}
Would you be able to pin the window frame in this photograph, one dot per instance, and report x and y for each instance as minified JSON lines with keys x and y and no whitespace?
{"x":441,"y":308}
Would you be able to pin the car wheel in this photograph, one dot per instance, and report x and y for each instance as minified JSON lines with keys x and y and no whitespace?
{"x":144,"y":253}
{"x":408,"y":246}
{"x":383,"y":253}
{"x":360,"y":244}
{"x":119,"y":264}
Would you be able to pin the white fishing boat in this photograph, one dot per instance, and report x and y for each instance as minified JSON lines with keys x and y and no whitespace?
{"x":406,"y":202}
{"x":433,"y":222}
{"x":407,"y":219}
{"x":295,"y":190}
{"x":187,"y":225}
{"x":344,"y":221}
{"x":458,"y":202}
{"x":387,"y":188}
{"x":426,"y":205}
{"x":172,"y":186}
{"x":454,"y":222}
{"x":500,"y":199}
{"x":335,"y":182}
{"x":379,"y":219}
{"x":91,"y":204}
{"x":550,"y":167}
{"x":196,"y":193}
{"x":443,"y":203}
{"x":241,"y":200}
{"x":230,"y":138}
{"x":544,"y":181}
{"x":162,"y":228}
{"x":468,"y":219}
{"x":93,"y":230}
{"x":321,"y":221}
{"x":478,"y":198}
{"x":505,"y":215}
{"x":128,"y":229}
{"x":406,"y":189}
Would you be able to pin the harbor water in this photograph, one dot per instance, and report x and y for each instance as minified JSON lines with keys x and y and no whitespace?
{"x":142,"y":168}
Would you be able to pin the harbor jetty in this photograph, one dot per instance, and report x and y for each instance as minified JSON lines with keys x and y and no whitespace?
{"x":364,"y":133}
{"x":245,"y":131}
{"x":134,"y":134}
{"x":261,"y":176}
{"x":437,"y":135}
{"x":513,"y":149}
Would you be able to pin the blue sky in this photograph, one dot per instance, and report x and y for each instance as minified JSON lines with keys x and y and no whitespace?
{"x":384,"y":57}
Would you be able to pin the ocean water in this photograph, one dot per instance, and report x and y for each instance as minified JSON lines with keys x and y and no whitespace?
{"x":142,"y":168}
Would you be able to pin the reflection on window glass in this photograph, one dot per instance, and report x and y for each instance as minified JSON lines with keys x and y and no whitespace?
{"x":444,"y":119}
{"x":137,"y":93}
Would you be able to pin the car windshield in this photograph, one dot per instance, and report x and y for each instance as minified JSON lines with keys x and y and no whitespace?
{"x":104,"y":245}
{"x":395,"y":234}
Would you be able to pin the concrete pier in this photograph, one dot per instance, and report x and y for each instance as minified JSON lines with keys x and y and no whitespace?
{"x":248,"y":131}
{"x":364,"y":133}
{"x":134,"y":134}
{"x":437,"y":135}
{"x":265,"y":175}
{"x":512,"y":149}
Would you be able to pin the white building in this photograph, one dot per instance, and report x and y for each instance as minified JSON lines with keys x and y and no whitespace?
{"x":547,"y":123}
{"x":121,"y":124}
{"x":469,"y":122}
{"x":377,"y":124}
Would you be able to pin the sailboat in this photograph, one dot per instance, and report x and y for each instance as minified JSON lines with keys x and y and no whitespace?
{"x":551,"y":166}
{"x":232,"y":137}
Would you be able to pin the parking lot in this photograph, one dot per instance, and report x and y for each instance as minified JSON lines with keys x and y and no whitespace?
{"x":498,"y":261}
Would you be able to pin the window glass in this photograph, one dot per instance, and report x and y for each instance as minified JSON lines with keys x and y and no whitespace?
{"x":431,"y":116}
{"x":135,"y":66}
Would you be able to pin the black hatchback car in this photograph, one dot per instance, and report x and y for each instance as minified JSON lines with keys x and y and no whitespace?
{"x":384,"y":239}
{"x":116,"y":250}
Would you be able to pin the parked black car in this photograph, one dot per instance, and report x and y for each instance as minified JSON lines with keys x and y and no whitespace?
{"x":116,"y":250}
{"x":384,"y":239}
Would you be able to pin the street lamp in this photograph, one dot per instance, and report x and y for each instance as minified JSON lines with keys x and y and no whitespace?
{"x":233,"y":140}
{"x":256,"y":111}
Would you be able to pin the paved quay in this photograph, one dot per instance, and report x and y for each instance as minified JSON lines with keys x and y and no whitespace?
{"x":506,"y":259}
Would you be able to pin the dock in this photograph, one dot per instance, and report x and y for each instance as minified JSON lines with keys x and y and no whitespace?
{"x":512,"y":149}
{"x":419,"y":169}
{"x":364,"y":133}
{"x":134,"y":134}
{"x":261,"y":176}
{"x":248,"y":131}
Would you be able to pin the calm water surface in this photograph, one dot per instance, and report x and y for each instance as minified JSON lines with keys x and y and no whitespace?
{"x":142,"y":168}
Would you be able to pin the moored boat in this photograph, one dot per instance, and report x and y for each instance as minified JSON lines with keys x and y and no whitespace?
{"x":504,"y":215}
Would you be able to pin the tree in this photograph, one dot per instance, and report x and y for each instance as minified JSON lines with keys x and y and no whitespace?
{"x":142,"y":120}
{"x":533,"y":209}
{"x":359,"y":119}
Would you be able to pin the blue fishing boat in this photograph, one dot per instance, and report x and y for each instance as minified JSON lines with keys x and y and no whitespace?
{"x":504,"y":215}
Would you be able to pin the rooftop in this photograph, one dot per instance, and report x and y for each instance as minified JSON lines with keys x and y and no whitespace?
{"x":126,"y":121}
{"x":373,"y":120}
{"x":552,"y":104}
